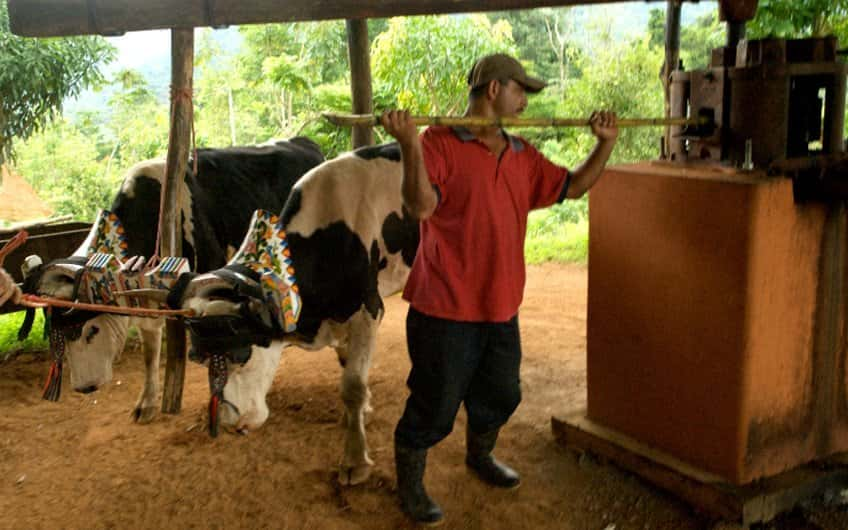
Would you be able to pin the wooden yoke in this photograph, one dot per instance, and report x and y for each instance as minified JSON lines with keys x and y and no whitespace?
{"x":182,"y":72}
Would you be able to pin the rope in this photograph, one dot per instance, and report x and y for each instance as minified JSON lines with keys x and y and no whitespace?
{"x":29,"y":300}
{"x":13,"y":243}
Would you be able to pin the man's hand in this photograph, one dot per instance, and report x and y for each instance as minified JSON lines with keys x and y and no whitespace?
{"x":399,"y":124}
{"x":9,"y":290}
{"x":604,"y":125}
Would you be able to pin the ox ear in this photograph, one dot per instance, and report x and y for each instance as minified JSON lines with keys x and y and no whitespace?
{"x":107,"y":236}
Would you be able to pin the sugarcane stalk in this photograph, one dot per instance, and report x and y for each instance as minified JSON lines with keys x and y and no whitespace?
{"x":349,"y":120}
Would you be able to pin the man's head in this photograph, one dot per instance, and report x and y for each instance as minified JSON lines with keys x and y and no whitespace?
{"x":501,"y":67}
{"x":501,"y":79}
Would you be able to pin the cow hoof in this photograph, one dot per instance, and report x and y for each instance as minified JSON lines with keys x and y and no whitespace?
{"x":143,"y":414}
{"x":353,"y":475}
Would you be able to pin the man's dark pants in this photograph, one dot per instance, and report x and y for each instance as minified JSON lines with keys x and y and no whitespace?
{"x":475,"y":363}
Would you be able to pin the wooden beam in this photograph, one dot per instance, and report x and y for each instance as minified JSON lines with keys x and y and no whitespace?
{"x":182,"y":73}
{"x":359,"y":51}
{"x":50,"y":18}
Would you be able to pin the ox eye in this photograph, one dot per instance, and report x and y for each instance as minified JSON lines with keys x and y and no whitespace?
{"x":92,"y":331}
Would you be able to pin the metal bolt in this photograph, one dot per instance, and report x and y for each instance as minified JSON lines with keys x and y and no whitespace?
{"x":748,"y":165}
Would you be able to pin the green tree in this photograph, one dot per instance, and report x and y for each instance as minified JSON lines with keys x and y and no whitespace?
{"x":543,"y":38}
{"x":421,"y":63}
{"x":62,"y":163}
{"x":697,"y":40}
{"x":799,"y":18}
{"x":656,"y":27}
{"x":623,"y":77}
{"x":138,"y":125}
{"x":36,"y":75}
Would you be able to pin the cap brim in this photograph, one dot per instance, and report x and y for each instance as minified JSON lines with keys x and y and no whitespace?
{"x":532,"y":85}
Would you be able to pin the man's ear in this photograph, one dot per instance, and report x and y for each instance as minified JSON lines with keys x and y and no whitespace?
{"x":493,"y":88}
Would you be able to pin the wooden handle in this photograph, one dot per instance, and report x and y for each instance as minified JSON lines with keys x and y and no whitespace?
{"x":349,"y":120}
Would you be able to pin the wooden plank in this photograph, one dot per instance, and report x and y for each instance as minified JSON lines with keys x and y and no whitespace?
{"x":359,"y":51}
{"x":50,"y":18}
{"x":708,"y":493}
{"x":182,"y":73}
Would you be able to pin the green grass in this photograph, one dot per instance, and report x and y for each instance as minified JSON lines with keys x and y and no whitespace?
{"x":9,"y":343}
{"x":559,"y":242}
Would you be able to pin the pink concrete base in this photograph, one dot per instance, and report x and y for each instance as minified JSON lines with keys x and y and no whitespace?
{"x":706,"y":333}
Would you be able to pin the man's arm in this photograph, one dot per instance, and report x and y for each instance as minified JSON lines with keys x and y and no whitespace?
{"x":419,"y":197}
{"x":604,"y":128}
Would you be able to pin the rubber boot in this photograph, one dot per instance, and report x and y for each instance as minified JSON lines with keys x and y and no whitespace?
{"x":479,"y":458}
{"x":409,"y":465}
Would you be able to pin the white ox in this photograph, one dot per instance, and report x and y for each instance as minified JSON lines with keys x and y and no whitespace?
{"x":352,"y":243}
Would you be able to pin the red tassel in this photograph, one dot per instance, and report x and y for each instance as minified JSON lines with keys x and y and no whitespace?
{"x":49,"y":379}
{"x":51,"y":388}
{"x":213,"y":416}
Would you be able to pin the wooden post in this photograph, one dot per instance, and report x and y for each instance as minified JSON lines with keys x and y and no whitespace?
{"x":360,"y":78}
{"x":672,"y":58}
{"x":735,"y":33}
{"x":182,"y":72}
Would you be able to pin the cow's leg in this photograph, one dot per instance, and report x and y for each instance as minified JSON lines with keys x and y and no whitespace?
{"x":356,"y":465}
{"x":150,"y":330}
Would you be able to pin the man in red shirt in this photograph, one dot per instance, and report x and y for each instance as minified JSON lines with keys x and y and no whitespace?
{"x":472,"y":189}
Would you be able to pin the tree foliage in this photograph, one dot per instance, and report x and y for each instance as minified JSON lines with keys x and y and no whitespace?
{"x":543,"y":38}
{"x":36,"y":75}
{"x":421,"y":63}
{"x":697,"y":40}
{"x":799,"y":18}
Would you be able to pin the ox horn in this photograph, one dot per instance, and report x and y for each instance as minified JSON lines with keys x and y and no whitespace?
{"x":31,"y":262}
{"x":157,"y":295}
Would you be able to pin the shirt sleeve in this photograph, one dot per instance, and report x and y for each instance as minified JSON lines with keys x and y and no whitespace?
{"x":549,"y":182}
{"x":432,"y":149}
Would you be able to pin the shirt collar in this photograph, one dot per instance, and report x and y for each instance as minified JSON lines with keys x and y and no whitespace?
{"x":466,"y":136}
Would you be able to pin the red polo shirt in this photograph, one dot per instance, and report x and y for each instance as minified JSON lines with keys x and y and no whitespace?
{"x":470,"y":261}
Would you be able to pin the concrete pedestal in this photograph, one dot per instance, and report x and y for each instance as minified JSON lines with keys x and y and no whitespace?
{"x":716,"y":319}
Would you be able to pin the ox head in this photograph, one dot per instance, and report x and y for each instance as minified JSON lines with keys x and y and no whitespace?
{"x":97,"y":273}
{"x":87,"y":341}
{"x":239,"y":311}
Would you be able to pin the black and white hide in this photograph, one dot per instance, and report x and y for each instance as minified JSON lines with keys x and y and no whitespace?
{"x":352,"y":243}
{"x":216,"y":206}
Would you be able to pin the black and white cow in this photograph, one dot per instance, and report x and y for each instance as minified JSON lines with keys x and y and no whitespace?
{"x":216,"y":206}
{"x":351,"y":244}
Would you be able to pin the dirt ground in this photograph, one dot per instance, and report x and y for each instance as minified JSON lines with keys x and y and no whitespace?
{"x":81,"y":463}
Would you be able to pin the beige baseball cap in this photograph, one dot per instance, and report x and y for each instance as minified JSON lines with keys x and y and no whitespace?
{"x":501,"y":66}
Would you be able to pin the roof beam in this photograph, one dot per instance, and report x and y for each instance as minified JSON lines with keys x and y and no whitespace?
{"x":52,"y":18}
